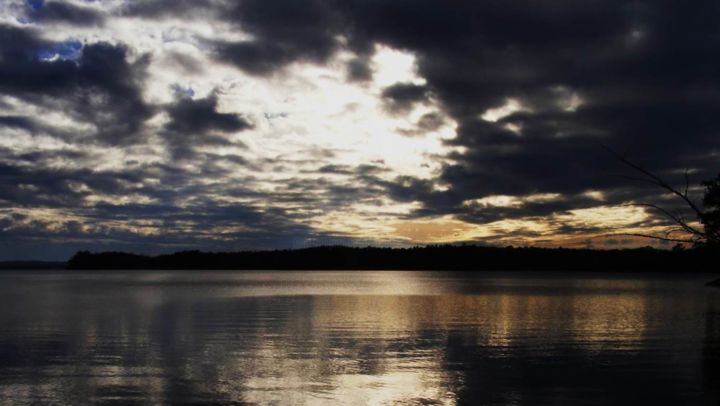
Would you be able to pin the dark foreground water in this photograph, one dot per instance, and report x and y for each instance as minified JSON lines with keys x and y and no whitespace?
{"x":346,"y":338}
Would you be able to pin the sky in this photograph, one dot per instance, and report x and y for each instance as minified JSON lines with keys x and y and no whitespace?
{"x":164,"y":125}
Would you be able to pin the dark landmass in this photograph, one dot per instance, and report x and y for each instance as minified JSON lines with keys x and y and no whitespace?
{"x":32,"y":265}
{"x":444,"y":257}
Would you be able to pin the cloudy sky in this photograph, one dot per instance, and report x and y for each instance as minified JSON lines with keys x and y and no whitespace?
{"x":160,"y":125}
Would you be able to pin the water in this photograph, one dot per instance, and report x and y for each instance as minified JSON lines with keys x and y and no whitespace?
{"x":418,"y":338}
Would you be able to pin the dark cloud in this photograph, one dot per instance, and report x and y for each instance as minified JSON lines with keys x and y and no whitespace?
{"x":22,"y":122}
{"x":199,"y":115}
{"x":640,"y":74}
{"x":639,"y":77}
{"x":401,"y":97}
{"x":20,"y":67}
{"x":154,"y":229}
{"x":160,"y":224}
{"x":104,"y":68}
{"x":63,"y":12}
{"x":100,"y":87}
{"x":429,"y":122}
{"x":336,"y":169}
{"x":32,"y":125}
{"x":359,"y":70}
{"x":166,"y":8}
{"x":283,"y":32}
{"x":31,"y":178}
{"x":187,"y":63}
{"x":196,"y":122}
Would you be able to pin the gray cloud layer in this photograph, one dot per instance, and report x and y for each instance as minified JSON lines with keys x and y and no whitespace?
{"x":640,"y":77}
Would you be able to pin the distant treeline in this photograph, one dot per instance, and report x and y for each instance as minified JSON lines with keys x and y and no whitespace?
{"x":442,"y":257}
{"x":24,"y":265}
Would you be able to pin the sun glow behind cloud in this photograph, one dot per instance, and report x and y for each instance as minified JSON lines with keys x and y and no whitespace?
{"x":212,"y":122}
{"x":296,"y":114}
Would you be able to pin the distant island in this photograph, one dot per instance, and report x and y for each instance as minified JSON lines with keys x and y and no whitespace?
{"x":433,"y":257}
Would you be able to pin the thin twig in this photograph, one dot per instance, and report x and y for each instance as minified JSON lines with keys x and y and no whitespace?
{"x":678,"y":220}
{"x":664,"y":185}
{"x":655,"y":237}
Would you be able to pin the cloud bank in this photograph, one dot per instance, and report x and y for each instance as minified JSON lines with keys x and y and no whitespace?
{"x":162,"y":125}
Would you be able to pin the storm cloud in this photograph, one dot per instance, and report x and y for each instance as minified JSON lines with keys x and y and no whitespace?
{"x":64,"y":13}
{"x":374,"y":113}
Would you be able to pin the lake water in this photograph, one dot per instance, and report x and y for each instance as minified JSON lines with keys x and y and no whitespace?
{"x":418,"y":338}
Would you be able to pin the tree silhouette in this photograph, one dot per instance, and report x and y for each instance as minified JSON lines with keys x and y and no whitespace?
{"x":708,"y":215}
{"x":711,"y":214}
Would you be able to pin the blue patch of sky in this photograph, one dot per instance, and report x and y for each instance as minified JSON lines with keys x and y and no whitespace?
{"x":66,"y":50}
{"x":183,"y":92}
{"x":35,"y":5}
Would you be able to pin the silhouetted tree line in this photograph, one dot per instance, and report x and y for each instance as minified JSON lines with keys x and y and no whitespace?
{"x":433,"y":257}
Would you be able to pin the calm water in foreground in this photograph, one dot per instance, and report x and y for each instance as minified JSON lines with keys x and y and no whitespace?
{"x":358,"y":338}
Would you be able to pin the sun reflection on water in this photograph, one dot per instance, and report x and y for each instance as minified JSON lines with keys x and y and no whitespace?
{"x":348,"y":338}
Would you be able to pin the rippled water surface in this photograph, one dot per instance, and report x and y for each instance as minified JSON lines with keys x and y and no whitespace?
{"x":357,"y":338}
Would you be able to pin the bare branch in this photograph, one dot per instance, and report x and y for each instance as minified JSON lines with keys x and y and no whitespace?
{"x":669,"y":232}
{"x":664,"y":185}
{"x":710,"y":234}
{"x":636,"y":179}
{"x":656,"y":180}
{"x":654,"y":237}
{"x":678,"y":220}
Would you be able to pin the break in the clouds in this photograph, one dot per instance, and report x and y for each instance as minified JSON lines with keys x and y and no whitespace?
{"x":162,"y":125}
